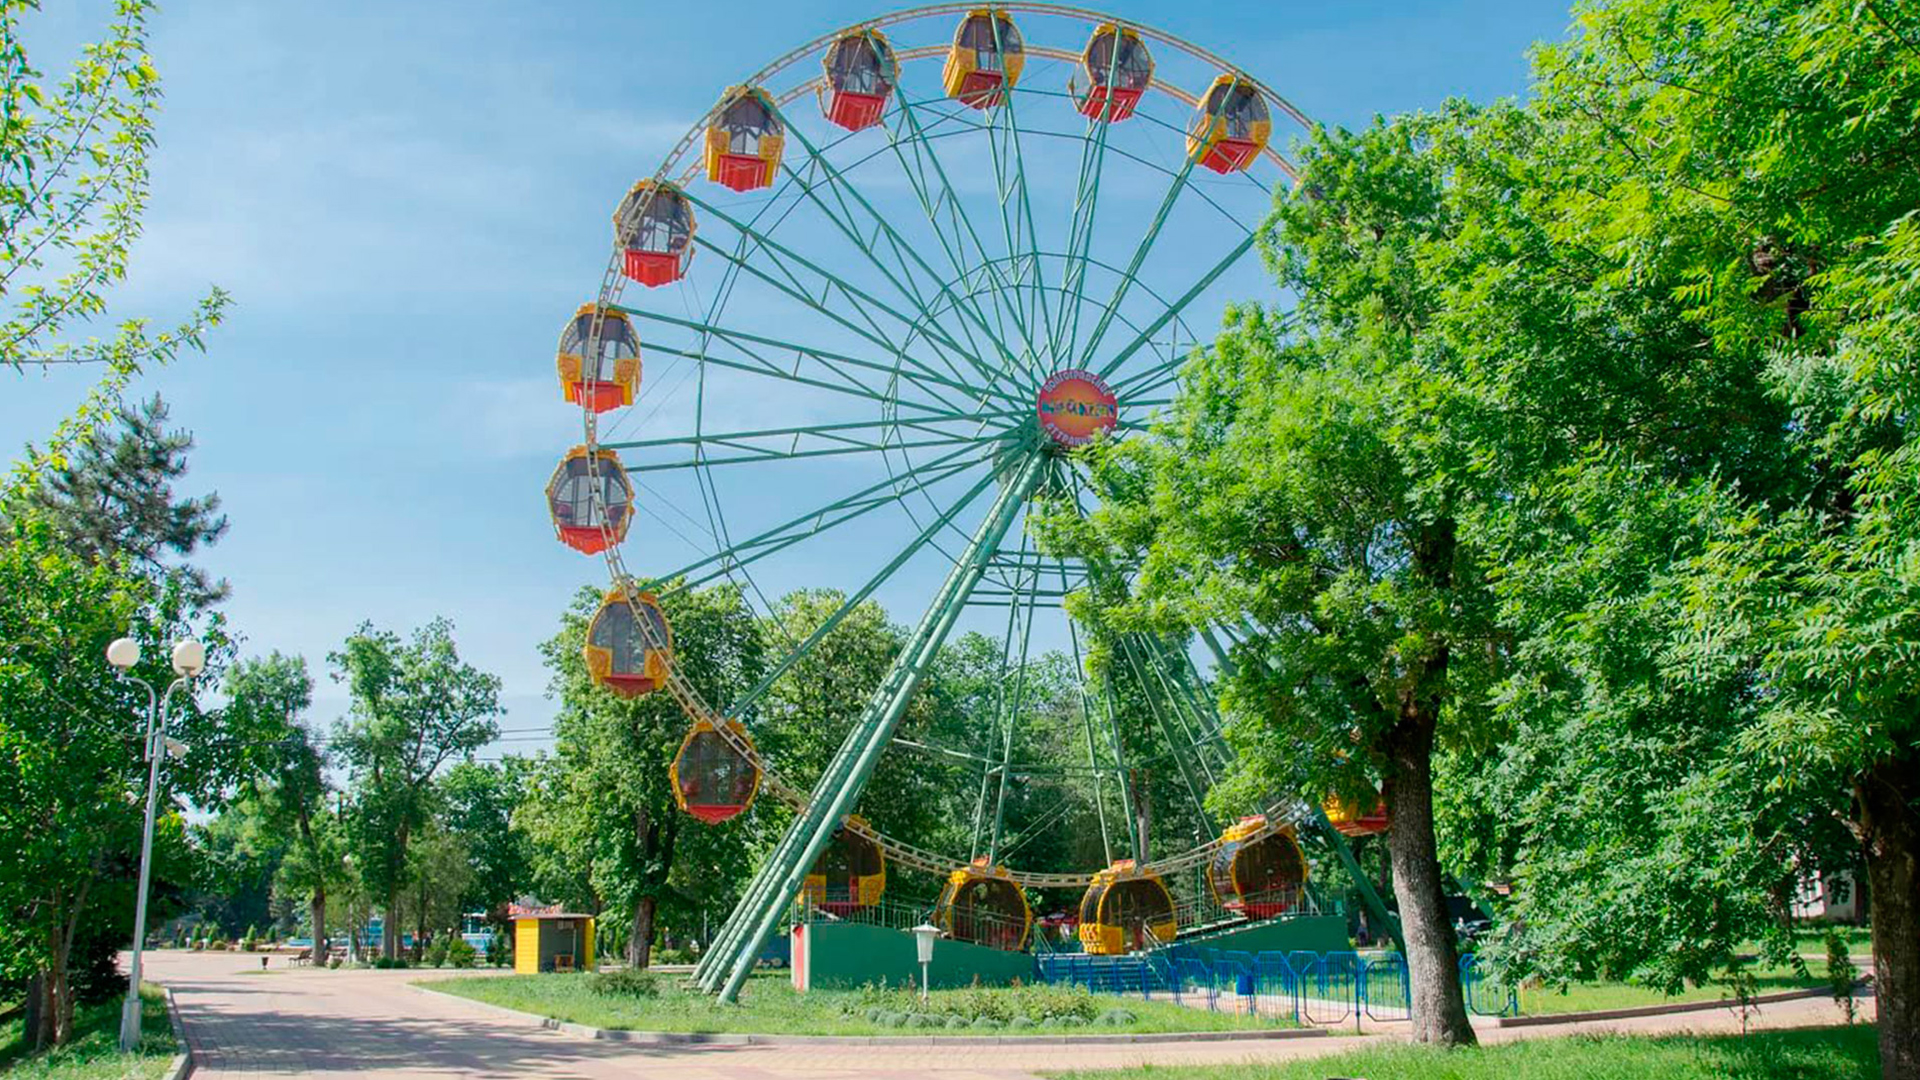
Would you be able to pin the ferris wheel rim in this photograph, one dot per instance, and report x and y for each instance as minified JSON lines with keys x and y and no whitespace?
{"x":613,"y":286}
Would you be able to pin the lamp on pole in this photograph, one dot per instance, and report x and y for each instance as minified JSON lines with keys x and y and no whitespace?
{"x":189,"y":659}
{"x":924,"y":936}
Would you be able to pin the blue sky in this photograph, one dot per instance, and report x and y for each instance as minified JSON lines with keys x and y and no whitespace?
{"x":407,"y":199}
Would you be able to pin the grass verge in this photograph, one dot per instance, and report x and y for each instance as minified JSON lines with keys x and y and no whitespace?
{"x":1843,"y":1053}
{"x":1585,"y":997}
{"x":94,"y":1051}
{"x":769,"y":1006}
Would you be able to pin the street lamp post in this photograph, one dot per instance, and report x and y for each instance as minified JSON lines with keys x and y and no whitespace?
{"x":189,"y":658}
{"x":924,"y":936}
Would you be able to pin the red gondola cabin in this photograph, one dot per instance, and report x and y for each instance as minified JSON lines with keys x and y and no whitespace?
{"x":1258,"y":871}
{"x":712,"y":779}
{"x":621,"y":655}
{"x":655,"y":227}
{"x":861,"y":75}
{"x":599,"y":359}
{"x":1231,"y":126}
{"x":985,"y":59}
{"x":1118,"y":69}
{"x":591,"y":500}
{"x":745,"y":140}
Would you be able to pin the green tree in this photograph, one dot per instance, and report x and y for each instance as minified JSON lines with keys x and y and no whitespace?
{"x":415,"y":708}
{"x":602,"y":811}
{"x":73,"y":188}
{"x":478,"y":801}
{"x":72,"y":758}
{"x":273,"y":692}
{"x":113,"y":495}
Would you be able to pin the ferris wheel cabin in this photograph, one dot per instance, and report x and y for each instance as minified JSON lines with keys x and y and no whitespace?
{"x":1258,"y":871}
{"x":598,"y":359}
{"x":712,"y":779}
{"x":1118,"y":69}
{"x":745,"y":141}
{"x":850,"y":874}
{"x":982,"y":904}
{"x":1126,"y":909}
{"x":655,"y":226}
{"x":591,"y":500}
{"x":861,"y":73}
{"x":1230,"y":126}
{"x":1356,"y":819}
{"x":620,"y":655}
{"x":985,"y":59}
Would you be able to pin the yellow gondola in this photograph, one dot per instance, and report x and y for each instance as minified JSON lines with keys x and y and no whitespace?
{"x":712,"y":779}
{"x":983,"y":905}
{"x":745,"y":140}
{"x":655,"y":225}
{"x":985,"y":59}
{"x":861,"y":74}
{"x":850,"y":874}
{"x":612,"y":379}
{"x":1230,"y":126}
{"x":619,"y":654}
{"x":590,"y":499}
{"x":1118,"y":69}
{"x":1356,"y":818}
{"x":1126,"y":908}
{"x":1258,"y":871}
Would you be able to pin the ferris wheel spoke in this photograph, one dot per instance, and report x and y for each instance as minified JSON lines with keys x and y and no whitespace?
{"x":869,"y":435}
{"x":956,"y":249}
{"x":829,"y":359}
{"x":853,"y":600}
{"x":820,"y":520}
{"x":904,"y":251}
{"x":863,"y":301}
{"x":1176,"y":307}
{"x":1138,"y":260}
{"x":1073,"y":275}
{"x":820,"y":305}
{"x":1029,"y":253}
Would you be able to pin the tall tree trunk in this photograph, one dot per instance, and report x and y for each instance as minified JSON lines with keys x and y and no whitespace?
{"x":1433,"y":957}
{"x":640,"y":937}
{"x":35,"y":1021}
{"x":1889,"y":824}
{"x":317,"y":913}
{"x":390,"y":926}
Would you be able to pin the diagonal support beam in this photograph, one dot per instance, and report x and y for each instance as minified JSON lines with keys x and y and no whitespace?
{"x":779,"y":878}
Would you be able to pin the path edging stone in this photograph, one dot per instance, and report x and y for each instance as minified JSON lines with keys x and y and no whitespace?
{"x":182,"y":1066}
{"x":1544,"y":1019}
{"x":691,"y":1038}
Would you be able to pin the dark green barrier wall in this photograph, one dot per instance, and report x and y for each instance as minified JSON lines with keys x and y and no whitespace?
{"x":1321,"y":933}
{"x":843,"y":956}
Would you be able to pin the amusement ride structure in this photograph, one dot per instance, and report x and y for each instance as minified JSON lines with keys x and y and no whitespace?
{"x":951,"y":244}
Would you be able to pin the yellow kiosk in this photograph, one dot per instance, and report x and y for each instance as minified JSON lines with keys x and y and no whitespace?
{"x":549,"y":939}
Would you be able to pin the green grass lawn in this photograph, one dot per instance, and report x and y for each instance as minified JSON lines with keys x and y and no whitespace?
{"x":1584,"y":997}
{"x":1846,"y":1053}
{"x":94,"y":1052}
{"x":769,"y":1005}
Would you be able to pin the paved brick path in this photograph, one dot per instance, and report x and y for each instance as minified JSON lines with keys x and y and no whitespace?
{"x":340,"y":1024}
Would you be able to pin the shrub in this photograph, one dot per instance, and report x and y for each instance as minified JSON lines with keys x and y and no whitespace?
{"x":956,"y":1021}
{"x":1019,"y":1022}
{"x":435,"y":954}
{"x":626,"y":983}
{"x":334,"y":964}
{"x":498,"y":953}
{"x":892,"y":1019}
{"x":987,"y":1023}
{"x":385,"y":963}
{"x":1116,"y":1018}
{"x":460,"y":954}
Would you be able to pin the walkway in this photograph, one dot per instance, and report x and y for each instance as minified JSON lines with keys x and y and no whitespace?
{"x":369,"y":1024}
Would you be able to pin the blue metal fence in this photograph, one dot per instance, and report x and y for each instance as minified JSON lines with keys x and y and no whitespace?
{"x":1302,"y":986}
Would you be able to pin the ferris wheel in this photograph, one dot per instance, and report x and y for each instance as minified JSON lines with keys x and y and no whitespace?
{"x":882,"y":292}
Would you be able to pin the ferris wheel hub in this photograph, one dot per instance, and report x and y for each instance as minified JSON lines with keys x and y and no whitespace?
{"x":1075,"y":407}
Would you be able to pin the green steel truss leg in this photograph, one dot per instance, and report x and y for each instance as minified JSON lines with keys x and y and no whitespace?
{"x":779,"y":878}
{"x":1376,"y":908}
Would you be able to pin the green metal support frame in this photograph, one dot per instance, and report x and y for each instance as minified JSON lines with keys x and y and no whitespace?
{"x":780,"y":876}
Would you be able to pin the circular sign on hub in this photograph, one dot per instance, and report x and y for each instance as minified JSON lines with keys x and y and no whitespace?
{"x":1075,"y":406}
